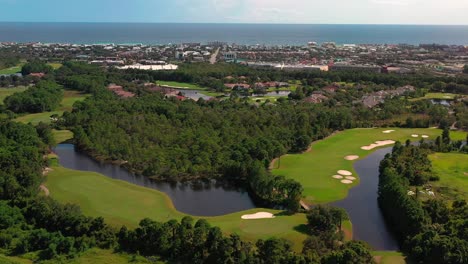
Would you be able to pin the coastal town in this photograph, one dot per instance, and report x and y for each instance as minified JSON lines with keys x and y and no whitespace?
{"x":436,"y":59}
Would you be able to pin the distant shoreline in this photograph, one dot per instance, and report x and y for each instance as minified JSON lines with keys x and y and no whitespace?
{"x":241,"y":34}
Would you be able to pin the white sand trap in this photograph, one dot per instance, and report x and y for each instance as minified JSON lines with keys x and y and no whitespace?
{"x":345,"y":173}
{"x":346,"y":181}
{"x":339,"y":177}
{"x":388,"y":131}
{"x":377,"y":144}
{"x":351,"y":178}
{"x":259,"y":215}
{"x":415,"y":136}
{"x":351,"y":157}
{"x":425,"y":136}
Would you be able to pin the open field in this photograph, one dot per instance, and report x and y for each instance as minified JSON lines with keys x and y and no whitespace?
{"x":314,"y":169}
{"x":441,"y":96}
{"x":11,"y":70}
{"x":55,"y":65}
{"x":122,"y":203}
{"x":62,"y":135}
{"x":389,"y":257}
{"x":5,"y":92}
{"x":91,"y":256}
{"x":181,"y":85}
{"x":69,"y":98}
{"x":452,"y":168}
{"x":262,"y":99}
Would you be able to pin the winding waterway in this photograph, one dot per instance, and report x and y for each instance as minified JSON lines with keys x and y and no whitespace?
{"x":362,"y":206}
{"x":199,"y":199}
{"x":211,"y":199}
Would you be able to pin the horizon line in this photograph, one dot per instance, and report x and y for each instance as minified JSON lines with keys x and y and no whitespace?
{"x":233,"y":23}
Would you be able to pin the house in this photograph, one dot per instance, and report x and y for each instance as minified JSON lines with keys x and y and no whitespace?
{"x":119,"y":91}
{"x":315,"y":98}
{"x":237,"y":86}
{"x":37,"y":74}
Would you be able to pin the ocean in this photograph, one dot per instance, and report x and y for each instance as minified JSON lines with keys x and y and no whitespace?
{"x":250,"y":34}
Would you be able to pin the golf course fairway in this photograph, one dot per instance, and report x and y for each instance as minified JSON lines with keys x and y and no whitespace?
{"x":314,"y":169}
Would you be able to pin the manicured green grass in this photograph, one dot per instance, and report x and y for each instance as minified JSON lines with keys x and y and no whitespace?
{"x":181,"y":85}
{"x":441,"y":96}
{"x":122,"y":203}
{"x":452,"y":168}
{"x":91,"y":256}
{"x":38,"y":117}
{"x":11,"y":70}
{"x":13,"y":260}
{"x":389,"y":257}
{"x":5,"y":92}
{"x":262,"y":99}
{"x":62,"y":135}
{"x":314,"y":169}
{"x":55,"y":65}
{"x":69,"y":98}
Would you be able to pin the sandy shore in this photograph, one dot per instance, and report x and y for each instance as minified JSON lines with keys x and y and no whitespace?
{"x":346,"y":181}
{"x":345,"y":173}
{"x":259,"y":215}
{"x":352,"y":157}
{"x":377,"y":144}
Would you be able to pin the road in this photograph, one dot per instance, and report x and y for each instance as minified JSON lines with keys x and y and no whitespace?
{"x":214,"y":56}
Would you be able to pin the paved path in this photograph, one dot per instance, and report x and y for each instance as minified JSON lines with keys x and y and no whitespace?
{"x":44,"y":189}
{"x":214,"y":56}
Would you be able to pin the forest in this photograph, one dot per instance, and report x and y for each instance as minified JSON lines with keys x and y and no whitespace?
{"x":44,"y":96}
{"x":430,"y":230}
{"x":35,"y":224}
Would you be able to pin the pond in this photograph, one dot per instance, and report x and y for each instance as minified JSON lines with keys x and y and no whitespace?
{"x":362,"y":206}
{"x":198,"y":199}
{"x":212,"y":199}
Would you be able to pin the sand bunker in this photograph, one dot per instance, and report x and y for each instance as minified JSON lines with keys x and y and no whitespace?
{"x":259,"y":215}
{"x":351,"y":157}
{"x":346,"y":181}
{"x":345,"y":173}
{"x":415,"y":136}
{"x":351,"y":178}
{"x":378,"y":144}
{"x":339,"y":177}
{"x":388,"y":131}
{"x":425,"y":136}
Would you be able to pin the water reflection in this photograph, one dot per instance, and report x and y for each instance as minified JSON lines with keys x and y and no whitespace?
{"x":196,"y":198}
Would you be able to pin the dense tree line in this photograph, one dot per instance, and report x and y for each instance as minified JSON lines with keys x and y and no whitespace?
{"x":44,"y":96}
{"x":45,"y":229}
{"x":36,"y":66}
{"x":428,"y":230}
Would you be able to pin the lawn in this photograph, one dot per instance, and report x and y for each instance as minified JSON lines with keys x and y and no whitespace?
{"x":122,"y":203}
{"x":91,"y":256}
{"x":452,"y":168}
{"x":5,"y":92}
{"x":62,"y":135}
{"x":11,"y":70}
{"x":389,"y":257}
{"x":69,"y":98}
{"x":314,"y":169}
{"x":55,"y":65}
{"x":181,"y":85}
{"x":440,"y":96}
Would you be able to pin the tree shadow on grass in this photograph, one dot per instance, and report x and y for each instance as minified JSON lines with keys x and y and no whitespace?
{"x":303,"y":229}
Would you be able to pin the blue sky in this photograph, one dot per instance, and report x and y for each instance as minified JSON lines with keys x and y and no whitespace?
{"x":452,"y":12}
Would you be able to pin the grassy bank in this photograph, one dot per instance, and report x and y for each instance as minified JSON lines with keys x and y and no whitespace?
{"x":69,"y":98}
{"x":452,"y":168}
{"x":389,"y":257}
{"x":5,"y":92}
{"x":11,"y":70}
{"x":314,"y":169}
{"x":181,"y":85}
{"x":122,"y":203}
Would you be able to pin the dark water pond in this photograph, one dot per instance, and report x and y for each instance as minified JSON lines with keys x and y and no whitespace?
{"x":194,"y":94}
{"x":362,"y":207}
{"x":199,"y":199}
{"x":211,"y":199}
